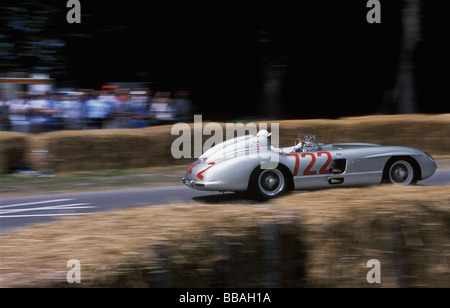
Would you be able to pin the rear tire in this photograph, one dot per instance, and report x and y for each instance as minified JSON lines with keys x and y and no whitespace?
{"x":267,"y":183}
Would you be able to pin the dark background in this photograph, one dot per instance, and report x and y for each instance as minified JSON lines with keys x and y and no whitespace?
{"x":326,"y":60}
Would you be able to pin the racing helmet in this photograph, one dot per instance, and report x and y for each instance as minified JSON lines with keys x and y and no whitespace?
{"x":263,"y":133}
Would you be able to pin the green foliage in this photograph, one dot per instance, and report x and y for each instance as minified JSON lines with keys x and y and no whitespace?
{"x":29,"y":38}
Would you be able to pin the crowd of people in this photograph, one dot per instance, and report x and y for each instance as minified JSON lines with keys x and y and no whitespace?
{"x":92,"y":109}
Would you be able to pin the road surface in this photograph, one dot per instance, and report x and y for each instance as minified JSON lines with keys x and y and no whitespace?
{"x":16,"y":212}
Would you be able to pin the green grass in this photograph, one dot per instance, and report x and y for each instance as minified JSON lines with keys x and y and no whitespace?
{"x":29,"y":184}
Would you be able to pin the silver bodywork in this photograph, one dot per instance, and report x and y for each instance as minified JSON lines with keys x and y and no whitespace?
{"x":228,"y":166}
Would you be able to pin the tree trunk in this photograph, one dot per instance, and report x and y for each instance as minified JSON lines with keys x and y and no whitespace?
{"x":272,"y":91}
{"x":404,"y":94}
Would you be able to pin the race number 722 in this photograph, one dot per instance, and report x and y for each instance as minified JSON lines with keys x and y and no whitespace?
{"x":323,"y":167}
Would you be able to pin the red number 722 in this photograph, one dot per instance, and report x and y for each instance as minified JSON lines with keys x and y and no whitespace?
{"x":307,"y":171}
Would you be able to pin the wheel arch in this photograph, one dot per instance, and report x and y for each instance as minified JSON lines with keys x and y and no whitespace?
{"x":288,"y":176}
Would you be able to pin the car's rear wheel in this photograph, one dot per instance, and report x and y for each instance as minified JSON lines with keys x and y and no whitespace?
{"x":401,"y":172}
{"x":267,"y":183}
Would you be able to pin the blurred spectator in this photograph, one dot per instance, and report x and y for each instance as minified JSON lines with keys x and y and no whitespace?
{"x":182,"y":106}
{"x":122,"y":108}
{"x":98,"y":111}
{"x":52,"y":113}
{"x":85,"y":108}
{"x":37,"y":113}
{"x":72,"y":111}
{"x":18,"y":110}
{"x":5,"y":123}
{"x":139,"y":109}
{"x":108,"y":95}
{"x":161,"y":109}
{"x":42,"y":113}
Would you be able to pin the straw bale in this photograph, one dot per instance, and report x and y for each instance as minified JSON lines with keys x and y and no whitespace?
{"x":13,"y":149}
{"x":149,"y":147}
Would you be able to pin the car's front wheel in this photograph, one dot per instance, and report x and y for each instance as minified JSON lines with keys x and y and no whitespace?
{"x":400,"y":172}
{"x":267,"y":183}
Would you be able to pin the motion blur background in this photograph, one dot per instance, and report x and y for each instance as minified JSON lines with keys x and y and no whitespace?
{"x":251,"y":59}
{"x":228,"y":61}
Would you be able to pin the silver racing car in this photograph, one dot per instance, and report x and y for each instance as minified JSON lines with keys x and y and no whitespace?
{"x":250,"y":163}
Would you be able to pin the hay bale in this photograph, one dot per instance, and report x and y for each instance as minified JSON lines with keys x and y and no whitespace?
{"x":105,"y":149}
{"x":150,"y":147}
{"x":13,"y":149}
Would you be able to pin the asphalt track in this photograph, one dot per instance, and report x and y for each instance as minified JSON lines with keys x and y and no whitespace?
{"x":16,"y":212}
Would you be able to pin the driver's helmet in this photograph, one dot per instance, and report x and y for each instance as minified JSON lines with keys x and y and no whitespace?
{"x":263,"y":133}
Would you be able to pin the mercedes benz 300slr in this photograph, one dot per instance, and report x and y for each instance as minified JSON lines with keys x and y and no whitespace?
{"x":250,"y":163}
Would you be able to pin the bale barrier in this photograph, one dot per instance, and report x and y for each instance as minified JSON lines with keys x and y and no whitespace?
{"x":88,"y":150}
{"x":104,"y":149}
{"x":13,"y":150}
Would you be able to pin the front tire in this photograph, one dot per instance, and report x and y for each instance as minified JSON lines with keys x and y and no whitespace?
{"x":267,"y":183}
{"x":400,"y":172}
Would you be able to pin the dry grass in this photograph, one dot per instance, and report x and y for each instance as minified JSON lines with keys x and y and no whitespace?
{"x":313,"y":238}
{"x":406,"y":228}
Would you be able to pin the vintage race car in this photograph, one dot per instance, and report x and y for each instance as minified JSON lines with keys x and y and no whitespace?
{"x":250,"y":163}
